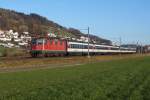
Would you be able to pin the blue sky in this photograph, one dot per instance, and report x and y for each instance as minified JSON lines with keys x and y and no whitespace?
{"x":110,"y":19}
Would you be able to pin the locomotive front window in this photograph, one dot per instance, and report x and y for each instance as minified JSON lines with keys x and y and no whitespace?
{"x":41,"y":41}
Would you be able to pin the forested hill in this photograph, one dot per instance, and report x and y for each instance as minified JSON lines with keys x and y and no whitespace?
{"x":36,"y":24}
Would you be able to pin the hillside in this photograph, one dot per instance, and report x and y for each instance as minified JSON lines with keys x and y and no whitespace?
{"x":36,"y":24}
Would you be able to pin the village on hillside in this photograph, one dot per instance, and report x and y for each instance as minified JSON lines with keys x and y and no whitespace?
{"x":14,"y":39}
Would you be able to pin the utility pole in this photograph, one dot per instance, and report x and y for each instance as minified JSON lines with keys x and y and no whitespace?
{"x":88,"y":42}
{"x":141,"y":48}
{"x":120,"y":42}
{"x":43,"y":44}
{"x":88,"y":29}
{"x":137,"y":48}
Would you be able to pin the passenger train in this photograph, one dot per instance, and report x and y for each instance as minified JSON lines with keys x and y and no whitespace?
{"x":61,"y":47}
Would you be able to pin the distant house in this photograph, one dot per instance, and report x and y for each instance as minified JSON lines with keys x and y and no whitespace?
{"x":15,"y":35}
{"x":25,"y":36}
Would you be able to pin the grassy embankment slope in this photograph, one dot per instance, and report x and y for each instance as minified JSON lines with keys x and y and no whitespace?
{"x":11,"y":52}
{"x":118,"y":79}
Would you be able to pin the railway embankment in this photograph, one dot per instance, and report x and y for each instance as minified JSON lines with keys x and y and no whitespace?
{"x":27,"y":63}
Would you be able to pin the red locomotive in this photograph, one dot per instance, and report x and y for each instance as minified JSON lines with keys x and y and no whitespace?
{"x":48,"y":47}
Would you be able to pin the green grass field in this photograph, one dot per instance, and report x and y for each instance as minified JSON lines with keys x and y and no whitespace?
{"x":114,"y":80}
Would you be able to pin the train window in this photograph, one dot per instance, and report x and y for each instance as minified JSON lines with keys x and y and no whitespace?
{"x":80,"y":46}
{"x":96,"y":47}
{"x":72,"y":46}
{"x":75,"y":46}
{"x":114,"y":48}
{"x":41,"y":41}
{"x":102,"y":48}
{"x":86,"y":47}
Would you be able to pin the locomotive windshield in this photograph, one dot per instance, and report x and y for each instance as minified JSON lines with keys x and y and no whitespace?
{"x":38,"y":41}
